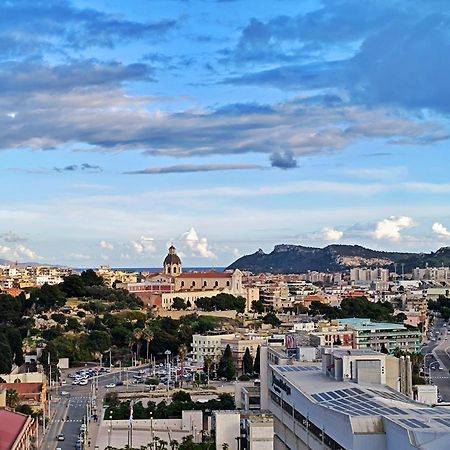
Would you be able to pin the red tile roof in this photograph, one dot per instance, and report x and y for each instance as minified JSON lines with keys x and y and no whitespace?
{"x":11,"y":424}
{"x":23,"y":388}
{"x":205,"y":275}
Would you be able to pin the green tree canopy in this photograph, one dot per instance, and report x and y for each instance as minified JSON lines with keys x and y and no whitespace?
{"x":247,"y":362}
{"x":257,"y":363}
{"x":227,"y":368}
{"x":179,"y":303}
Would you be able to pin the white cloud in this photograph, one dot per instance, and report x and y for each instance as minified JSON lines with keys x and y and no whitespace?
{"x":440,"y":230}
{"x":19,"y":252}
{"x":331,"y":234}
{"x":391,"y":227}
{"x":106,"y":245}
{"x":5,"y":251}
{"x":25,"y":251}
{"x":198,"y":245}
{"x":144,"y":245}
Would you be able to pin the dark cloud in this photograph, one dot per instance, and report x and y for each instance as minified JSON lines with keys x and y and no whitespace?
{"x":296,"y":38}
{"x":10,"y":236}
{"x":391,"y":53}
{"x":75,"y":28}
{"x":83,"y":167}
{"x":283,"y":160}
{"x":187,"y":168}
{"x":31,"y":76}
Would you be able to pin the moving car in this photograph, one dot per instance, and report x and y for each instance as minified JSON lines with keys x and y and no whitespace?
{"x":60,"y":437}
{"x":110,"y":385}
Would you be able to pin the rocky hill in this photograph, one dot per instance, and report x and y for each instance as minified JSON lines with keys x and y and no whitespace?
{"x":299,"y":259}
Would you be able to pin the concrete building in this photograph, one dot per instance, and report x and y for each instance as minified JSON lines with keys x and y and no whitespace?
{"x":258,"y":432}
{"x":116,"y":433}
{"x":239,"y":345}
{"x":208,"y":345}
{"x":315,"y":408}
{"x":390,"y":335}
{"x":227,"y":426}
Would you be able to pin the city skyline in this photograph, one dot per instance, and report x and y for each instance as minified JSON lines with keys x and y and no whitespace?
{"x":221,"y":127}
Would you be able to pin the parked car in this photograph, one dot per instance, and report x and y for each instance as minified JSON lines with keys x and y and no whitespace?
{"x":110,"y":385}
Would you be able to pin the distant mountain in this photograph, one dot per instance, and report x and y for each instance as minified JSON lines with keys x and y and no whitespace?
{"x":299,"y":259}
{"x":6,"y":262}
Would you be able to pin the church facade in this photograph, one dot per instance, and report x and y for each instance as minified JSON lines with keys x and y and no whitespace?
{"x":190,"y":286}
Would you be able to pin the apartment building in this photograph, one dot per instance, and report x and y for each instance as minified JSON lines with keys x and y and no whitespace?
{"x":367,"y":334}
{"x":208,"y":345}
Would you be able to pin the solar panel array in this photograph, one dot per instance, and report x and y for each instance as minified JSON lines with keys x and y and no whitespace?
{"x":297,"y":368}
{"x":355,"y":402}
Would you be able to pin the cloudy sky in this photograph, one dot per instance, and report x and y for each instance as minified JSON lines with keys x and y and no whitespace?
{"x":221,"y":126}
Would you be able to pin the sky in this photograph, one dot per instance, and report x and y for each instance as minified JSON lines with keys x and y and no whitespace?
{"x":221,"y":126}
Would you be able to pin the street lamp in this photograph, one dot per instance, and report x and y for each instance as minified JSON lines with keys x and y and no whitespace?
{"x":151,"y":430}
{"x":168,"y":353}
{"x":110,"y":429}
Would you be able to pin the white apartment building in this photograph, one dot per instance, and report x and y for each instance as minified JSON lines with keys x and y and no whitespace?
{"x":432,"y":273}
{"x":358,"y":274}
{"x":208,"y":345}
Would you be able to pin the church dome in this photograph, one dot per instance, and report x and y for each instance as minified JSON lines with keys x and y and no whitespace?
{"x":172,"y":258}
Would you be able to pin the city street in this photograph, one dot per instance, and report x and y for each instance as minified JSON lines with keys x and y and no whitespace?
{"x":439,"y":351}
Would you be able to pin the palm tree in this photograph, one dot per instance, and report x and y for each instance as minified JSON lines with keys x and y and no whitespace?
{"x":209,"y":361}
{"x":147,"y":336}
{"x":135,"y":339}
{"x":182,"y":352}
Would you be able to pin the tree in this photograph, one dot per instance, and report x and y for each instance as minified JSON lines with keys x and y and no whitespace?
{"x":136,"y":339}
{"x":383,"y":349}
{"x":272,"y":319}
{"x":48,"y":297}
{"x":258,"y":306}
{"x":12,"y":398}
{"x":257,"y":363}
{"x":90,"y":278}
{"x":226,"y":367}
{"x":73,"y":286}
{"x":5,"y":355}
{"x":178,"y":303}
{"x":147,"y":336}
{"x":15,"y":343}
{"x":247,"y":362}
{"x":208,"y":362}
{"x":99,"y":341}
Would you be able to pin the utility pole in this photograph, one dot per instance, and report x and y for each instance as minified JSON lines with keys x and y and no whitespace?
{"x":50,"y":386}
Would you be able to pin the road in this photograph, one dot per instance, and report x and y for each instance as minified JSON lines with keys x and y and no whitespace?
{"x":69,"y":411}
{"x":439,"y":350}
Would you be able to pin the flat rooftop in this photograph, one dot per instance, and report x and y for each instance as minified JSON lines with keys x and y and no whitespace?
{"x":365,"y":400}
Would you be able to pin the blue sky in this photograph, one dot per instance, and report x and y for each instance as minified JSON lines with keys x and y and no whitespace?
{"x":221,"y":126}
